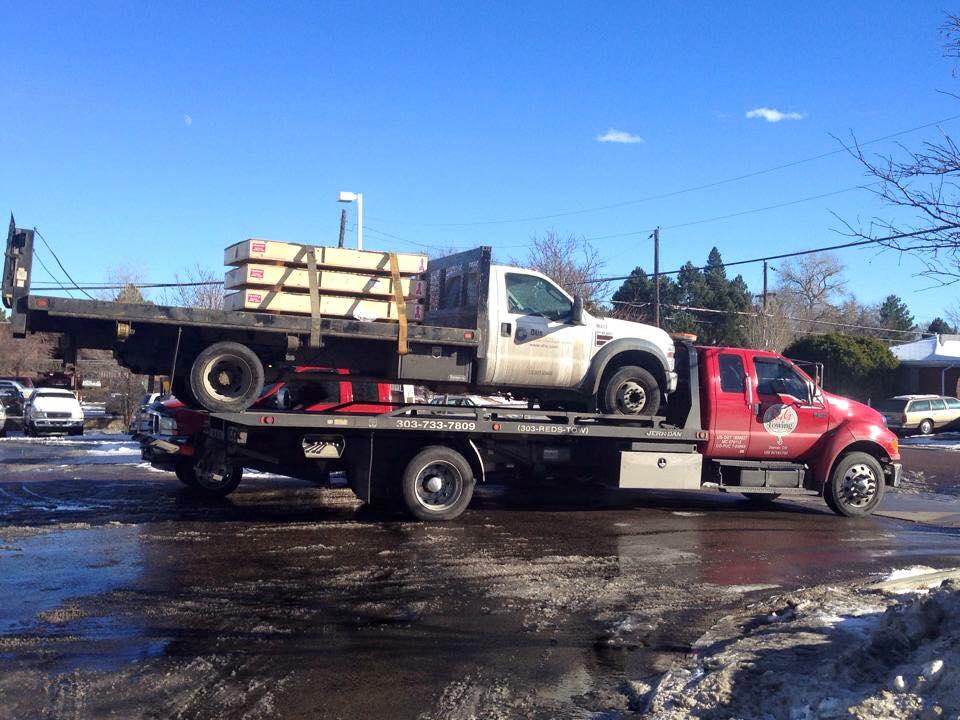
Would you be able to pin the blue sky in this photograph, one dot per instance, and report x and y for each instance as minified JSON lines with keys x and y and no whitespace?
{"x":153,"y":135}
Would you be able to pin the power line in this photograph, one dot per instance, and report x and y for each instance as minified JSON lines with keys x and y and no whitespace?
{"x":682,"y":191}
{"x":782,"y":256}
{"x":47,"y":245}
{"x":52,"y":276}
{"x":736,"y":214}
{"x":94,"y":286}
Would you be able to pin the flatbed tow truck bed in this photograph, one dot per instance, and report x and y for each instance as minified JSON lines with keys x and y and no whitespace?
{"x":442,"y":451}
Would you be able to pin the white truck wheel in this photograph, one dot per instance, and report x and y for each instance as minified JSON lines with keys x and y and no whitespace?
{"x":631,"y":390}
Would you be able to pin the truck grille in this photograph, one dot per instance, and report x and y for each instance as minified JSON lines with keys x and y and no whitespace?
{"x":58,"y":415}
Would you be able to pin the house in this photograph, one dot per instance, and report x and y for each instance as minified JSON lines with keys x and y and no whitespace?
{"x":930,"y":366}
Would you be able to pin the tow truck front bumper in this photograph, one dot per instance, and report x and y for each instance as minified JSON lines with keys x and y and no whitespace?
{"x":894,"y":474}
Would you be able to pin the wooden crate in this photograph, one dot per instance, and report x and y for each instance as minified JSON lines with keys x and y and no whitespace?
{"x":274,"y":251}
{"x":356,"y":308}
{"x":254,"y":275}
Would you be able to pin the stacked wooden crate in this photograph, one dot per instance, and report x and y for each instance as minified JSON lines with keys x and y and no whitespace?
{"x":274,"y":276}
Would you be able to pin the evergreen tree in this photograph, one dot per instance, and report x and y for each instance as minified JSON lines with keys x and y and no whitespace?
{"x":894,"y":315}
{"x":941,"y":327}
{"x":694,"y":288}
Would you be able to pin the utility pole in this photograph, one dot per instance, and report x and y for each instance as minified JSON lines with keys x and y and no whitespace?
{"x":656,"y":275}
{"x":764,"y":287}
{"x":343,"y":227}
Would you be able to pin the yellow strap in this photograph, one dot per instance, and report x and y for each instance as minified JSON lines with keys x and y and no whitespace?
{"x":314,"y":281}
{"x":402,"y":346}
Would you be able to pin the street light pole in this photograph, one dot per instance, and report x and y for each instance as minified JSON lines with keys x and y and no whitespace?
{"x":359,"y":221}
{"x":347,"y":197}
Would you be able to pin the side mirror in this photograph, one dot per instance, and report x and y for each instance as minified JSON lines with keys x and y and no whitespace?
{"x":576,"y":317}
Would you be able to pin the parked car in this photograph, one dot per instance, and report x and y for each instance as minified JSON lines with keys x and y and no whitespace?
{"x":11,"y":400}
{"x":922,"y":413}
{"x":52,"y":410}
{"x":170,"y":440}
{"x":3,"y":422}
{"x":23,"y":385}
{"x":140,"y":421}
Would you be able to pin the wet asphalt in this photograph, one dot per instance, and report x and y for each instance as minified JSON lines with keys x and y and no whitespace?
{"x":123,"y":594}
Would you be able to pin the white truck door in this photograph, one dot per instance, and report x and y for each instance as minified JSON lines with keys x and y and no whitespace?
{"x":536,"y":342}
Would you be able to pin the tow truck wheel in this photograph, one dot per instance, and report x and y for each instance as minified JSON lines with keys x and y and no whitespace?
{"x":215,"y":476}
{"x":631,"y":390}
{"x":437,"y":484}
{"x":186,"y":473}
{"x":226,"y":377}
{"x":856,"y":485}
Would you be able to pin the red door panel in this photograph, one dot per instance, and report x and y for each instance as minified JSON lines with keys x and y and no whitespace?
{"x":784,"y":424}
{"x":730,"y":405}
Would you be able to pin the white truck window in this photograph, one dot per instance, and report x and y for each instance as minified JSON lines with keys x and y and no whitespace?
{"x":532,"y":295}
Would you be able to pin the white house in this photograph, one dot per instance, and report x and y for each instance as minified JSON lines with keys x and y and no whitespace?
{"x":931,"y":365}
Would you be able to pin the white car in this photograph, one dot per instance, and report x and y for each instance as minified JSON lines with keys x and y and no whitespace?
{"x":52,"y":410}
{"x":3,"y":421}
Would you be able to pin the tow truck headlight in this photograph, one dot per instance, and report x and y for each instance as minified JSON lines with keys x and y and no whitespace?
{"x":166,"y":425}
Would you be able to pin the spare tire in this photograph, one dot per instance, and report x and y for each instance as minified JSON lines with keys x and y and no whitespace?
{"x":226,"y":377}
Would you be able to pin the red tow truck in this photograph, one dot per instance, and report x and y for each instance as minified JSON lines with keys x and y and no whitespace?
{"x":743,"y":421}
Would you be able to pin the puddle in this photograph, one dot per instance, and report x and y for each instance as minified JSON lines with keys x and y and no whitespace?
{"x":48,"y":580}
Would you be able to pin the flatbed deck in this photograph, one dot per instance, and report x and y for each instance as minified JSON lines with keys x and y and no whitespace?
{"x":474,"y":421}
{"x":45,"y":313}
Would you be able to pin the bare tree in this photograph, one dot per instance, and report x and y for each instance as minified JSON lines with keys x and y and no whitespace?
{"x":810,"y":287}
{"x":25,"y":356}
{"x":770,"y":330}
{"x":571,"y":262}
{"x":198,"y":287}
{"x":124,"y":280}
{"x":924,"y":185}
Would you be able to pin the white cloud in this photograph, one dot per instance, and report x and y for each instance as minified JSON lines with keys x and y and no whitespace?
{"x":187,"y":120}
{"x":620,"y":136}
{"x":773,"y":115}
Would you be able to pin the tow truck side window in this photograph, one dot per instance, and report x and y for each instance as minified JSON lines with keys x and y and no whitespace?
{"x":733,"y":378}
{"x":531,"y":295}
{"x":774,"y":377}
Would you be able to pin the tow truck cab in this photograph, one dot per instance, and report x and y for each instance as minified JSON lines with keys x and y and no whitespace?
{"x":768,"y":421}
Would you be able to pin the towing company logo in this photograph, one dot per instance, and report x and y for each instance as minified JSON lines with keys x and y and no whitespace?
{"x":780,"y":421}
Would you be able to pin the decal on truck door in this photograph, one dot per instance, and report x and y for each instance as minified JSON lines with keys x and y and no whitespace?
{"x":780,"y":421}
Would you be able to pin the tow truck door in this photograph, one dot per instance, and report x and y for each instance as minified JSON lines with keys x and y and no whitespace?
{"x":788,"y":417}
{"x":725,"y":380}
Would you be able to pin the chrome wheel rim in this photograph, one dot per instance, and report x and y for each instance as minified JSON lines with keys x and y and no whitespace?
{"x":860,"y":486}
{"x":631,"y":398}
{"x":439,"y":485}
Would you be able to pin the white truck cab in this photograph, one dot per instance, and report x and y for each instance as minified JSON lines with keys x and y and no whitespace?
{"x":538,"y":336}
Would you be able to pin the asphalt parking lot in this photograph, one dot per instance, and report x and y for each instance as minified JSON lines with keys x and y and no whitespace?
{"x":125,"y":594}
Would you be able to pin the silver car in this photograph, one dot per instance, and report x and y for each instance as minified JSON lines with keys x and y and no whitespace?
{"x":921,"y":413}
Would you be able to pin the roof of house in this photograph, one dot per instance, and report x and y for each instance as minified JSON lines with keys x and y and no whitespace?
{"x":934,"y":351}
